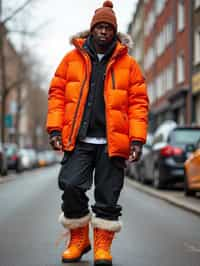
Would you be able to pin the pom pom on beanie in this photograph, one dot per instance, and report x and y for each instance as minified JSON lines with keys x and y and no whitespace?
{"x":108,"y":4}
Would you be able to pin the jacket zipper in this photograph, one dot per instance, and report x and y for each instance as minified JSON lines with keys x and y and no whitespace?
{"x":113,"y":79}
{"x":76,"y":111}
{"x":113,"y":83}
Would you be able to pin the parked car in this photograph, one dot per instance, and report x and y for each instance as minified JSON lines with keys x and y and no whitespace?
{"x":34,"y":158}
{"x":3,"y":161}
{"x":13,"y":157}
{"x":42,"y":159}
{"x":163,"y":164}
{"x":29,"y":158}
{"x":192,"y":172}
{"x":50,"y":157}
{"x":26,"y":160}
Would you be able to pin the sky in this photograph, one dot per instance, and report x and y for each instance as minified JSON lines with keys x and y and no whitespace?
{"x":62,"y":19}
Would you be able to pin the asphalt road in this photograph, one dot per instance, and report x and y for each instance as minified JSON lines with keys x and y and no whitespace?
{"x":154,"y":232}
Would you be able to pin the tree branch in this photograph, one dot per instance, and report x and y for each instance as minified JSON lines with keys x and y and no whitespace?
{"x":13,"y":85}
{"x":21,"y":104}
{"x":31,"y":33}
{"x":15,"y":12}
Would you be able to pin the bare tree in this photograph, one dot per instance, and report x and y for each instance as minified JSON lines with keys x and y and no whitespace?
{"x":37,"y":117}
{"x":35,"y":100}
{"x":23,"y":79}
{"x":6,"y":85}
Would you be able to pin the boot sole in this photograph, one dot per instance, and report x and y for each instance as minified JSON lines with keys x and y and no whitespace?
{"x":87,"y":249}
{"x":103,"y":263}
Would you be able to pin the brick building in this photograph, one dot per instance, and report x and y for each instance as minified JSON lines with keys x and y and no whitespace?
{"x":196,"y":61}
{"x":167,"y":59}
{"x":14,"y":87}
{"x":11,"y":62}
{"x":136,"y":31}
{"x":170,"y":39}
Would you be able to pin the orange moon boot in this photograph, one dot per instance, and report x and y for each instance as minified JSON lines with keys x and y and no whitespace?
{"x":102,"y":245}
{"x":79,"y":244}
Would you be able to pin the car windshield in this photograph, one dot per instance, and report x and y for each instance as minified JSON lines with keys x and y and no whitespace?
{"x":10,"y":150}
{"x":186,"y":136}
{"x":23,"y":152}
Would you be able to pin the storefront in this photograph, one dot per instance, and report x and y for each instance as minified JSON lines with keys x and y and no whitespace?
{"x":178,"y":105}
{"x":196,"y":93}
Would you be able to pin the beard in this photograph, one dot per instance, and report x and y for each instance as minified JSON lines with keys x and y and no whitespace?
{"x":102,"y":43}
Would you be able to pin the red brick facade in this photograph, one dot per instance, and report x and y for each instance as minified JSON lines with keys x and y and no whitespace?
{"x":166,"y":103}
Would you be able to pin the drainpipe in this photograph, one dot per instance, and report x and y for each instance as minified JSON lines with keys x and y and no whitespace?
{"x":191,"y":32}
{"x":174,"y":16}
{"x":2,"y":77}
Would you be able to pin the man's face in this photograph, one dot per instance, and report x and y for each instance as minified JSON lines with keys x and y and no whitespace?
{"x":103,"y":34}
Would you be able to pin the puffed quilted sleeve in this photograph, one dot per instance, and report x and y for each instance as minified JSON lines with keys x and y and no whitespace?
{"x":56,"y":99}
{"x":138,"y":104}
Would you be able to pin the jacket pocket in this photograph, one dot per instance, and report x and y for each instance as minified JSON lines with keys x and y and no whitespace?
{"x":65,"y":157}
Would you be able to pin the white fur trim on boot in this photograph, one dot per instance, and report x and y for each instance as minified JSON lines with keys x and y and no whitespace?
{"x":109,"y":225}
{"x":71,"y":223}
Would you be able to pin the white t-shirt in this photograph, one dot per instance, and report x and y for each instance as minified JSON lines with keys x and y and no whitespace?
{"x":100,"y":56}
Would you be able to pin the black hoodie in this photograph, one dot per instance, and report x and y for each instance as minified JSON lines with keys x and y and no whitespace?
{"x":93,"y":123}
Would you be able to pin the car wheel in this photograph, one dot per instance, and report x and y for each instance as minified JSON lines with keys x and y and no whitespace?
{"x":140,"y":175}
{"x":18,"y":167}
{"x":142,"y":178}
{"x":157,"y":182}
{"x":126,"y":171}
{"x":3,"y":171}
{"x":188,"y":192}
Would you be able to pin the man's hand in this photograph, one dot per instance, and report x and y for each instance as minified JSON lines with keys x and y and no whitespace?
{"x":56,"y":143}
{"x":135,"y":152}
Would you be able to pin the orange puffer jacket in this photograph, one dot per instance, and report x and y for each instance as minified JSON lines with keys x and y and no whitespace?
{"x":125,"y":95}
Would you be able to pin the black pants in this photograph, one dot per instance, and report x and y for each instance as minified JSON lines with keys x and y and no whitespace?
{"x":76,"y":177}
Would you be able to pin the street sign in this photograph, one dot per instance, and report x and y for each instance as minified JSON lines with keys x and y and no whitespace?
{"x":8,"y":121}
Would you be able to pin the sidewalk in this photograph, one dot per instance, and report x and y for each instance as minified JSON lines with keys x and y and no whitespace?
{"x":7,"y":178}
{"x":174,"y":197}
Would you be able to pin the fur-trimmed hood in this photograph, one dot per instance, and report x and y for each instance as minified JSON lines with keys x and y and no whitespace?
{"x":124,"y":39}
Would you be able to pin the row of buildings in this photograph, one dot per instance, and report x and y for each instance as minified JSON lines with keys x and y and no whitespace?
{"x":22,"y":101}
{"x":166,"y":35}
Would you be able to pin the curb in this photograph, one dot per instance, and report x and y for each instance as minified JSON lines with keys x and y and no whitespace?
{"x":168,"y":198}
{"x":6,"y":179}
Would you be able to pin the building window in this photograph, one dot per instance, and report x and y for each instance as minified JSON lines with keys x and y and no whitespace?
{"x":138,"y":52}
{"x":197,"y":47}
{"x":170,"y":76}
{"x":159,"y":6}
{"x":137,"y":26}
{"x":197,"y":3}
{"x":163,"y":78}
{"x":149,"y":23}
{"x":159,"y":86}
{"x":160,"y":43}
{"x":180,"y":69}
{"x":164,"y":38}
{"x":149,"y":58}
{"x":181,"y":15}
{"x":169,"y":33}
{"x":150,"y":92}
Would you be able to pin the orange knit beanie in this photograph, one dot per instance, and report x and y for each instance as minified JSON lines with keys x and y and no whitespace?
{"x":104,"y":14}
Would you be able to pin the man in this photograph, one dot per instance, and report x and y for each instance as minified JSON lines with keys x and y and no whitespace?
{"x":97,"y":114}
